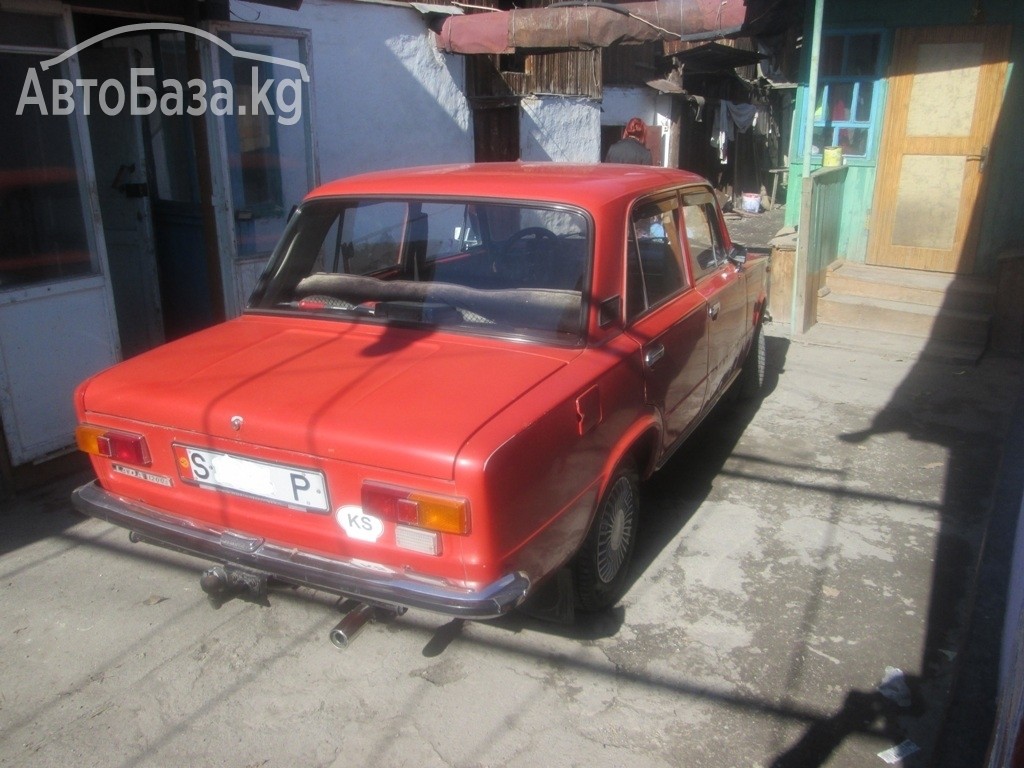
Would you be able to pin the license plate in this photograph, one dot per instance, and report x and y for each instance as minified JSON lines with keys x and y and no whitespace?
{"x":275,"y":482}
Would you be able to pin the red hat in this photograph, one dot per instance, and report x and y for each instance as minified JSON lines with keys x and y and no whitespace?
{"x":636,"y":128}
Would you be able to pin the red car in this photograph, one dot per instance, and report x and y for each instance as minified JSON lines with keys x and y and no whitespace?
{"x":444,"y":389}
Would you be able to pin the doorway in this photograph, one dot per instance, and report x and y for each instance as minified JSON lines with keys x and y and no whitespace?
{"x":945,"y":93}
{"x":147,"y":181}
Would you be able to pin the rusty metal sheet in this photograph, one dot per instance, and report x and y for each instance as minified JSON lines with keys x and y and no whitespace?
{"x":597,"y":25}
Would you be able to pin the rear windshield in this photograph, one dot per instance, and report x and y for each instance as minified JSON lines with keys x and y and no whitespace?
{"x":479,"y":267}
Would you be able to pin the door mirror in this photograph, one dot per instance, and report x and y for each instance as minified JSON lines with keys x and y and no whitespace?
{"x":738,"y":254}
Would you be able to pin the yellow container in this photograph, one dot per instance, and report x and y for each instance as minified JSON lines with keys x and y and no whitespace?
{"x":831,"y":157}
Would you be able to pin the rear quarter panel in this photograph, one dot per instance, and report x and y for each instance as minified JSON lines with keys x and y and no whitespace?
{"x":534,"y":478}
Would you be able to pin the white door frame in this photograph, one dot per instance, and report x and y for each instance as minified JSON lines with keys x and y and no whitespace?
{"x":36,"y":429}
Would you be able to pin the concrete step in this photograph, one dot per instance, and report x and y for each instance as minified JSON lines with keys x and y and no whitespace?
{"x":903,"y":317}
{"x":933,"y":289}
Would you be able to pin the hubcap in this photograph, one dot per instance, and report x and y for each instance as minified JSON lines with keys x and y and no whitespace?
{"x":616,"y":533}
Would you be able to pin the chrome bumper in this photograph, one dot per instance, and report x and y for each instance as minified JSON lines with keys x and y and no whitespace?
{"x":336,"y":575}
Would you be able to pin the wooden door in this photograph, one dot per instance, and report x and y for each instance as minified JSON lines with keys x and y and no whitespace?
{"x":945,"y":93}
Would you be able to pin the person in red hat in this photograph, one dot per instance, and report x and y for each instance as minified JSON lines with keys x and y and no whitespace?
{"x":631,"y":148}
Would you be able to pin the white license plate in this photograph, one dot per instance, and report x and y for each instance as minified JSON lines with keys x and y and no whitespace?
{"x":274,"y":482}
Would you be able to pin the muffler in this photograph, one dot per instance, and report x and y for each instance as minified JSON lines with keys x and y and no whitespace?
{"x":353,"y":622}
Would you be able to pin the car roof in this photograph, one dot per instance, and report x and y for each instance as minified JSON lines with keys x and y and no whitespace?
{"x":588,"y":185}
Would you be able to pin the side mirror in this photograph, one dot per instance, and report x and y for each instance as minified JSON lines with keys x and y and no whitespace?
{"x":738,"y":254}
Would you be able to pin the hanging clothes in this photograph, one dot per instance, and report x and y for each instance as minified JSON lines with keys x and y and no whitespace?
{"x":730,"y":118}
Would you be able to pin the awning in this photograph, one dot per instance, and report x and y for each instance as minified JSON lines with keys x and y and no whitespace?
{"x":582,"y":25}
{"x":715,"y":57}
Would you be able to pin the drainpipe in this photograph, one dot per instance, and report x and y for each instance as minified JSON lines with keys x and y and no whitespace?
{"x":810,"y":99}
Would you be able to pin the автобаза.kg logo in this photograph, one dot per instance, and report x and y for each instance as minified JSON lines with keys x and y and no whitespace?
{"x":279,"y":98}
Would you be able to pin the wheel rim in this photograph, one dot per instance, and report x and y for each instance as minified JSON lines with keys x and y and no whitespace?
{"x":616,"y":533}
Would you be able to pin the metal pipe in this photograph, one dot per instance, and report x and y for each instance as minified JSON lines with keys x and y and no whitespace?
{"x":350,"y":626}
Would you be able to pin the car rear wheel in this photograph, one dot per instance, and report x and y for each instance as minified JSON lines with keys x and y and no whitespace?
{"x":601,"y":567}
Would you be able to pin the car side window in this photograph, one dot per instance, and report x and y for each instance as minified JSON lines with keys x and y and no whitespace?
{"x":704,"y":242}
{"x":371,"y":237}
{"x":654,"y":256}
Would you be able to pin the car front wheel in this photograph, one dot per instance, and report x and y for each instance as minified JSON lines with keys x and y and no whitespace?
{"x":601,"y":567}
{"x":753,"y":373}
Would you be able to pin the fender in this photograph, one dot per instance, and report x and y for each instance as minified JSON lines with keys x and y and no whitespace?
{"x":648,"y":428}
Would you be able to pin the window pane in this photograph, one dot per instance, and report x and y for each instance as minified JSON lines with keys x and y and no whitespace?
{"x":862,"y":101}
{"x":823,"y":137}
{"x":831,"y":56}
{"x":840,"y":98}
{"x":22,"y":29}
{"x":436,"y":263}
{"x":854,"y":141}
{"x":371,"y":237}
{"x":656,"y":238}
{"x":702,"y":238}
{"x":862,"y":55}
{"x":267,"y":137}
{"x":42,"y":227}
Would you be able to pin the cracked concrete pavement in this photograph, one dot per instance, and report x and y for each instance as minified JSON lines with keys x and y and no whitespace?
{"x":791,"y":552}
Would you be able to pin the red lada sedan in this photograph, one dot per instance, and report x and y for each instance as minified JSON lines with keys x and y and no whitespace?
{"x":443,"y":391}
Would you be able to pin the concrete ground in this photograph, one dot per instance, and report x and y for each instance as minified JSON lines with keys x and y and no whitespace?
{"x":798,"y":552}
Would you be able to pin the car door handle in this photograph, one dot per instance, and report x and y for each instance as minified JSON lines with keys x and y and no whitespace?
{"x":653,"y":355}
{"x":713,"y":310}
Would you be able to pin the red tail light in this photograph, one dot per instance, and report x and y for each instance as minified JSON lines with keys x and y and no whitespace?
{"x":446,"y":514}
{"x":111,"y":444}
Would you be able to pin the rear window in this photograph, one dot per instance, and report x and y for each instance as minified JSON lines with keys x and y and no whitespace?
{"x":476,"y":266}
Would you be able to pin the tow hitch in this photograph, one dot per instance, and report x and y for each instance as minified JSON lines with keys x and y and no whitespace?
{"x":357,"y":614}
{"x":223,"y":582}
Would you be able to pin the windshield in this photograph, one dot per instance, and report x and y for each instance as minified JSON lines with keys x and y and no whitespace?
{"x":480,"y":267}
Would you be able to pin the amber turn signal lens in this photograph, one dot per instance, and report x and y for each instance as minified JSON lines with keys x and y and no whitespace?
{"x":111,"y":444}
{"x":445,"y":514}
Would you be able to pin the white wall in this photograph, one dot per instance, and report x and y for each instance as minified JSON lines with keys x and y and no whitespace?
{"x":384,"y":96}
{"x":562,"y":129}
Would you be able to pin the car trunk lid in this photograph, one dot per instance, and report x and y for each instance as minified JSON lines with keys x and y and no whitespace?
{"x":396,"y":398}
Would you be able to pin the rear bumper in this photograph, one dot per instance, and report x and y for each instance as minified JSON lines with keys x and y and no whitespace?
{"x":336,"y":575}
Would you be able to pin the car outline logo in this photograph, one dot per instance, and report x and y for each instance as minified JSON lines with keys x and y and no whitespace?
{"x":170,"y":27}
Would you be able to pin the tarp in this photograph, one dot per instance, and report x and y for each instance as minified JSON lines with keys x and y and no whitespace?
{"x":584,"y":26}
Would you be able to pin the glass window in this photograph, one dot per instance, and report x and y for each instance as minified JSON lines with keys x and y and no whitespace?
{"x":267,"y":133}
{"x":23,"y":29}
{"x":703,"y":237}
{"x":478,"y":267}
{"x":42,"y":224}
{"x":846,"y":102}
{"x":654,"y":258}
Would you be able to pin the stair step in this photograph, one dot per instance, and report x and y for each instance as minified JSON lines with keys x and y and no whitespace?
{"x":934,"y":289}
{"x":908,"y":318}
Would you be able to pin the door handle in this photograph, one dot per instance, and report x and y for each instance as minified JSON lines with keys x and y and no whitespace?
{"x":714,"y":309}
{"x":653,"y":354}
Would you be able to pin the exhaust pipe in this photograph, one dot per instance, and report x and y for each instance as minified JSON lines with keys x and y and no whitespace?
{"x":357,"y":617}
{"x":347,"y":629}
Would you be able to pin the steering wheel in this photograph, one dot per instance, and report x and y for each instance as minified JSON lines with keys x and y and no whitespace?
{"x":520,"y":266}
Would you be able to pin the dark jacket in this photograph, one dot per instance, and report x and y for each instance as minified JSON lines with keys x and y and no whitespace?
{"x":629,"y":150}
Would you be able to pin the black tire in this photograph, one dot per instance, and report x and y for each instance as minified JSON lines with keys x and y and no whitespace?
{"x":753,"y":372}
{"x":601,"y":567}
